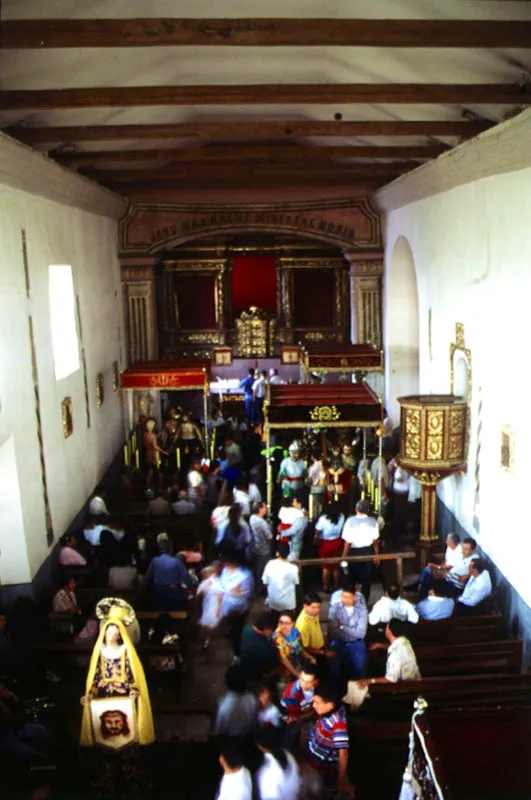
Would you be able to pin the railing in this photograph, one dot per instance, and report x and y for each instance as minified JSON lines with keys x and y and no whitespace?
{"x":398,"y":557}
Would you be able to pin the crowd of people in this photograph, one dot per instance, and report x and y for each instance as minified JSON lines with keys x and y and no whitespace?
{"x":281,"y":725}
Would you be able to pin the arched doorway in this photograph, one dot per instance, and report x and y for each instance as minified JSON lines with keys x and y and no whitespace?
{"x":401,"y":326}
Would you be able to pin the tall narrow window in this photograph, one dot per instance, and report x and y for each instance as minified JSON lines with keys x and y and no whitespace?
{"x":63,"y":318}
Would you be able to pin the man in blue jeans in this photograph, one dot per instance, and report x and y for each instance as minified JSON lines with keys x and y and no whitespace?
{"x":347,"y":626}
{"x":248,"y":403}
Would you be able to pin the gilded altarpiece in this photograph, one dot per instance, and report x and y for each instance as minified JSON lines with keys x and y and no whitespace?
{"x":317,"y":284}
{"x":192,"y":305}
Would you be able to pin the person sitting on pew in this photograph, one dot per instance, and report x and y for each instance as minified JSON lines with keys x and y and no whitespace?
{"x":168,"y":575}
{"x":157,"y":506}
{"x":98,"y":505}
{"x":123,"y":574}
{"x":29,"y":741}
{"x":401,"y":659}
{"x":454,"y":582}
{"x":435,"y":606}
{"x":69,"y":555}
{"x":183,"y":505}
{"x":392,"y":606}
{"x":452,"y":557}
{"x":477,"y":589}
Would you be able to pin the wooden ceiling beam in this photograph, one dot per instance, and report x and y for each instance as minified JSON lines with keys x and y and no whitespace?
{"x":75,"y":33}
{"x":227,"y":171}
{"x":267,"y":153}
{"x":266,"y":94}
{"x":260,"y":129}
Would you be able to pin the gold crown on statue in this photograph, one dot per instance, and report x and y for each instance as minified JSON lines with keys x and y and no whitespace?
{"x":115,"y":608}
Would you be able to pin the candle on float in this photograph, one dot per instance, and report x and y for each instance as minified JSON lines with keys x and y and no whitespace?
{"x":126,"y":455}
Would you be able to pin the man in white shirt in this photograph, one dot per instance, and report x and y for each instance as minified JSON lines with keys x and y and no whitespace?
{"x":236,"y":783}
{"x":274,"y":377}
{"x":455,"y":580}
{"x":361,"y":536}
{"x":97,"y":506}
{"x":259,"y":391}
{"x":281,"y":579}
{"x":477,"y":589}
{"x":401,"y":660}
{"x":452,"y":557}
{"x":392,"y":606}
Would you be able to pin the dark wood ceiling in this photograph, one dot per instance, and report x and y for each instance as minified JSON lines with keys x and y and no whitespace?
{"x":282,"y":101}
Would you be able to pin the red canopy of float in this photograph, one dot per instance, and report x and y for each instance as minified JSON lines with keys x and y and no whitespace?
{"x":173,"y":375}
{"x":323,"y":405}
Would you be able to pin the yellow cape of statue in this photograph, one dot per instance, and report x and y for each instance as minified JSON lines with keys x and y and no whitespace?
{"x":146,"y":729}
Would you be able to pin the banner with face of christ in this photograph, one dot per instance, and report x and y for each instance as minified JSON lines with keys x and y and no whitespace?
{"x":114,"y":723}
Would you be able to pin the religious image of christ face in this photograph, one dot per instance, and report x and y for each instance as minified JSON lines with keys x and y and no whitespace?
{"x":114,"y":723}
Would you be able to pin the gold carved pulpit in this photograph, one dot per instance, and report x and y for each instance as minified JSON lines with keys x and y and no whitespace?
{"x":255,"y":330}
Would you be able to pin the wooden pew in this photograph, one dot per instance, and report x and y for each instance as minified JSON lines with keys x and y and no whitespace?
{"x":502,"y":656}
{"x":388,"y":701}
{"x":455,"y":630}
{"x":145,"y":650}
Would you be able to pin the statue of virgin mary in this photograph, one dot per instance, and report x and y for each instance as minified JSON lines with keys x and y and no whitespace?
{"x":115,"y":671}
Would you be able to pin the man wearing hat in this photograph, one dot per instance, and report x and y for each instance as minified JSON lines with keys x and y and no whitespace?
{"x":292,"y":473}
{"x":361,"y":537}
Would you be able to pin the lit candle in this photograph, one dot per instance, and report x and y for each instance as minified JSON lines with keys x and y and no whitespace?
{"x":311,"y":506}
{"x":157,"y":459}
{"x":137,"y":459}
{"x":126,"y":455}
{"x":376,"y":498}
{"x":178,"y":458}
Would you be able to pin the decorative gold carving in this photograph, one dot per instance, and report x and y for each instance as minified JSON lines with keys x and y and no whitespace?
{"x":460,"y":335}
{"x":324,"y":414}
{"x":433,"y":432}
{"x":347,"y":222}
{"x":507,"y":449}
{"x":316,"y":336}
{"x":129,"y":273}
{"x":67,"y":416}
{"x":254,"y":329}
{"x":100,"y":395}
{"x":457,"y":351}
{"x":222,"y":356}
{"x":289,"y":262}
{"x":115,"y":376}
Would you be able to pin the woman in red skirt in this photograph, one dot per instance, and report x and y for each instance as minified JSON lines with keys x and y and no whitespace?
{"x":328,"y":531}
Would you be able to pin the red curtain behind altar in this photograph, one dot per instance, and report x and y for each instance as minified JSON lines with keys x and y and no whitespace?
{"x":313,"y":298}
{"x":254,"y":283}
{"x":197,"y":309}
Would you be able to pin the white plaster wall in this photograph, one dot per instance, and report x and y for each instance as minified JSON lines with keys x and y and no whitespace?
{"x":56,"y":234}
{"x":471,"y":247}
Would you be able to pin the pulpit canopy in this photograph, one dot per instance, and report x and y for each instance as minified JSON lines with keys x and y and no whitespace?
{"x":433,"y":435}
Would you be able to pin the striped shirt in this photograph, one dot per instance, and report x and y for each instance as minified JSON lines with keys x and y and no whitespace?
{"x":294,"y":701}
{"x":328,"y":736}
